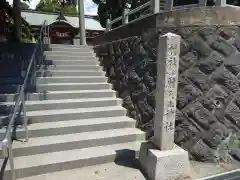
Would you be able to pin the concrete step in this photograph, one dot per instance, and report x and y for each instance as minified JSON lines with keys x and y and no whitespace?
{"x":109,"y":171}
{"x":55,"y":95}
{"x":69,"y":57}
{"x":70,"y":46}
{"x":71,"y":127}
{"x":72,"y":79}
{"x":66,"y":114}
{"x":72,"y":103}
{"x":26,"y":166}
{"x":55,"y":87}
{"x":4,"y":120}
{"x":72,"y":67}
{"x":5,"y":107}
{"x":69,"y":87}
{"x":70,"y":49}
{"x":71,"y":114}
{"x":72,"y":62}
{"x":47,"y":144}
{"x":69,"y":53}
{"x":50,"y":73}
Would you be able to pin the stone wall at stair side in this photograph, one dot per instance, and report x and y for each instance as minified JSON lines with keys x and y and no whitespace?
{"x":14,"y":58}
{"x":208,"y":99}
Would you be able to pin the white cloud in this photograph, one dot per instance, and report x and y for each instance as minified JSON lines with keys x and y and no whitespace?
{"x":90,"y":7}
{"x":32,"y":3}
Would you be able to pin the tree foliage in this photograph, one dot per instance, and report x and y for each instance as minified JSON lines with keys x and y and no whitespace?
{"x":113,"y":8}
{"x":24,"y":5}
{"x":7,"y":24}
{"x":55,"y":6}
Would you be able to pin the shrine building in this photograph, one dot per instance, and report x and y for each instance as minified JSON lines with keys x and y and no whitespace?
{"x":63,"y":29}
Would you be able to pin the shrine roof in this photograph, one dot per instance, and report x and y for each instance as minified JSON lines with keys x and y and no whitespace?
{"x":36,"y":18}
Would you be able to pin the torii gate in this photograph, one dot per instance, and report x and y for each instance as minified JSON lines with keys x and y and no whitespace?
{"x":82,"y":31}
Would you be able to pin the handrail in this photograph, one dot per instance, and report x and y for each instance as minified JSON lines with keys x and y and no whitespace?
{"x":168,"y":5}
{"x":19,"y":106}
{"x":116,"y":20}
{"x":149,"y":3}
{"x":140,"y":8}
{"x":128,"y":14}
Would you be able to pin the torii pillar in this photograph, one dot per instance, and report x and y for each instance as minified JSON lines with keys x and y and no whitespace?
{"x":82,"y":31}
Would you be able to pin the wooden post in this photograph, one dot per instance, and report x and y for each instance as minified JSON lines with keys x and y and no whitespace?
{"x":166,"y":90}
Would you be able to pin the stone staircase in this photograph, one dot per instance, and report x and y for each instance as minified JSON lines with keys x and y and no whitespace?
{"x":75,"y":119}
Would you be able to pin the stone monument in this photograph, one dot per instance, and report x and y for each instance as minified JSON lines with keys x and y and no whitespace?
{"x":162,"y":159}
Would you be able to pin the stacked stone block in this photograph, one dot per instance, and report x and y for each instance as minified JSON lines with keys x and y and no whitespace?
{"x":208,"y":98}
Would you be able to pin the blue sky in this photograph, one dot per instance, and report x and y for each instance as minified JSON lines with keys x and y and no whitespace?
{"x":90,"y":7}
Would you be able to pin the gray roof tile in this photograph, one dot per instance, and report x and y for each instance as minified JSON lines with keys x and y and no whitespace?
{"x":37,"y":18}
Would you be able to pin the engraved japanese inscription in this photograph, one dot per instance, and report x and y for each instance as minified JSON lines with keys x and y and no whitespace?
{"x":167,"y":81}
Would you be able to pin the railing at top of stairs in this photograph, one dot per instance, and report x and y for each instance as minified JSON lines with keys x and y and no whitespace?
{"x":19,"y":107}
{"x":156,"y":7}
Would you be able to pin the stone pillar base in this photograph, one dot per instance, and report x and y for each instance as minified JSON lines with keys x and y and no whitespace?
{"x":47,"y":40}
{"x":164,"y":165}
{"x":76,"y":41}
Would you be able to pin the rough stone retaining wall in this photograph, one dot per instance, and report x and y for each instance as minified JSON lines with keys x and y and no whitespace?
{"x":208,"y":89}
{"x":14,"y":58}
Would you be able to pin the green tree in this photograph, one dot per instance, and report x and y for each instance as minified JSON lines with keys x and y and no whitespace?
{"x":56,"y":6}
{"x":18,"y":28}
{"x":24,"y":5}
{"x":69,"y":9}
{"x":110,"y":8}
